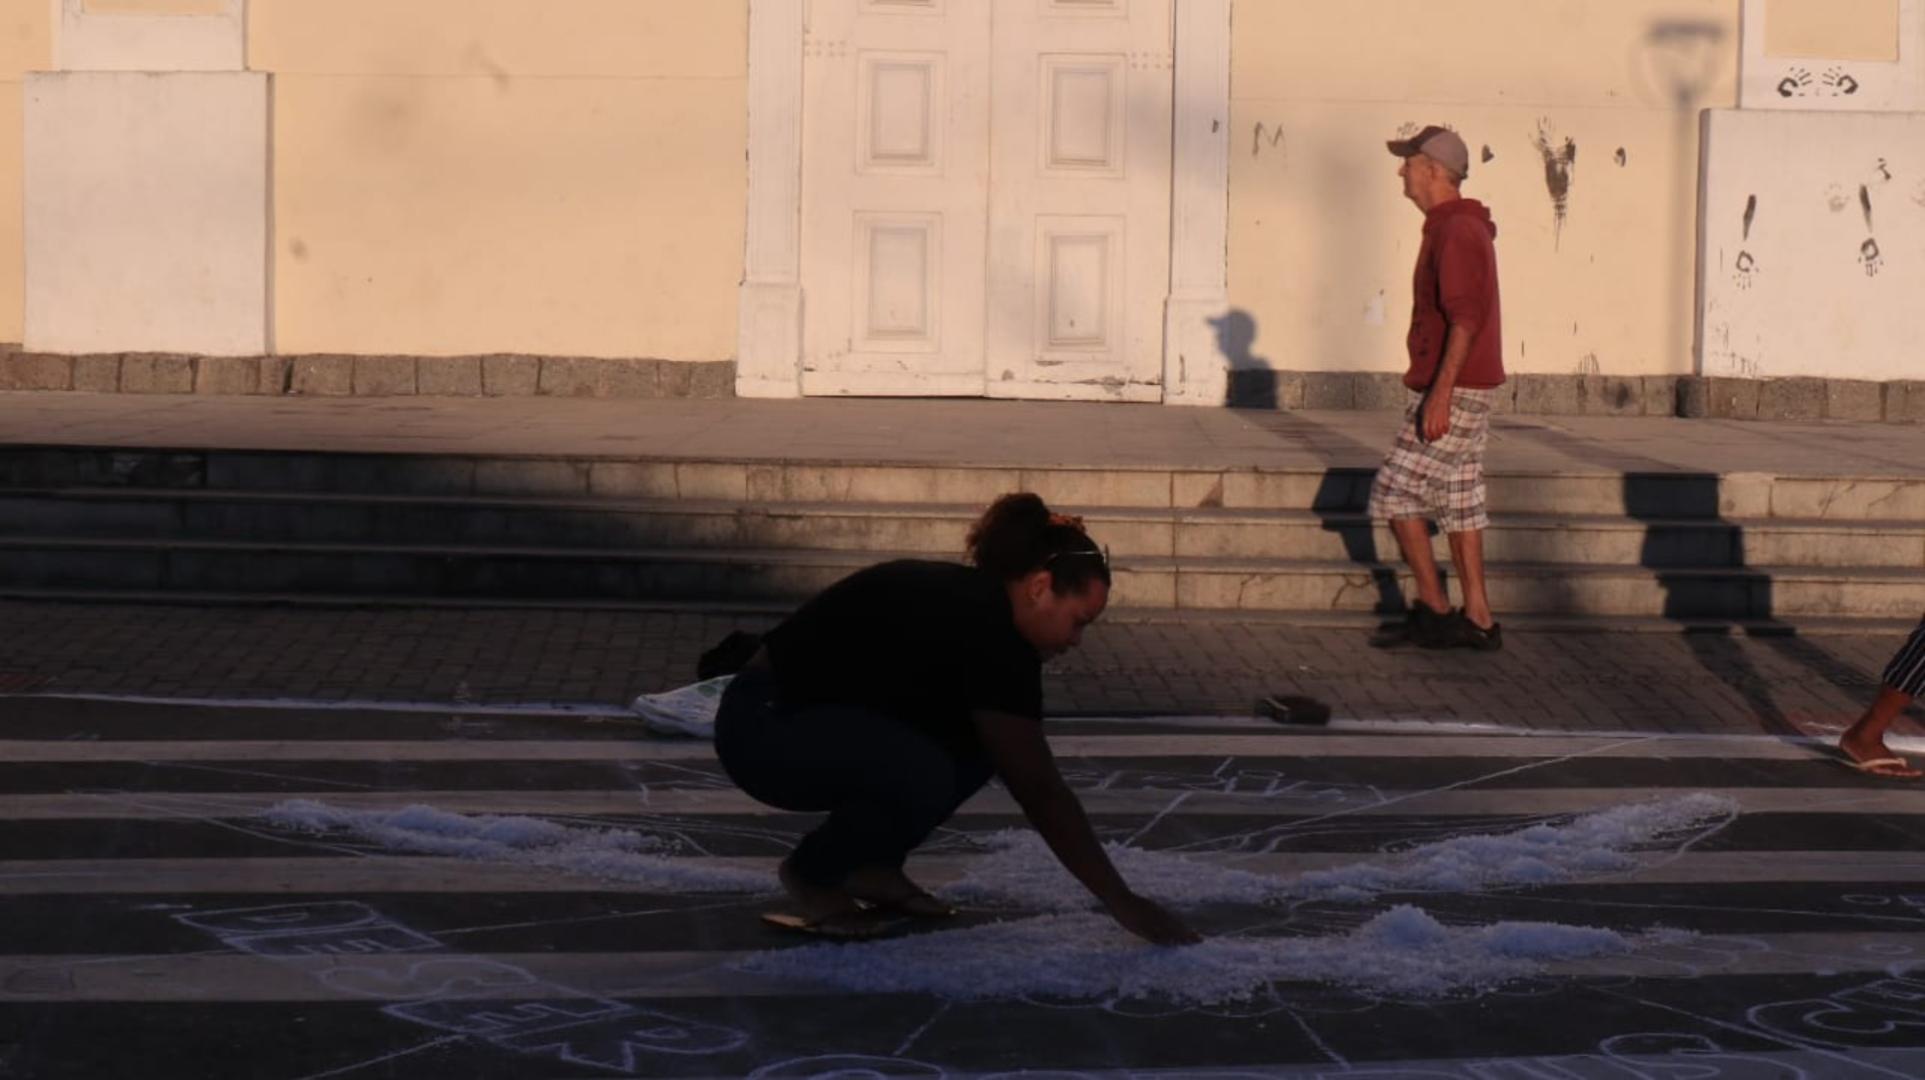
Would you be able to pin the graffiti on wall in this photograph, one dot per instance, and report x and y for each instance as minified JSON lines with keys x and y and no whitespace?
{"x":1560,"y":162}
{"x":1833,"y":82}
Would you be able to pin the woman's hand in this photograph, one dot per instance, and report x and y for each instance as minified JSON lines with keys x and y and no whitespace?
{"x":1022,"y":759}
{"x":1152,"y":922}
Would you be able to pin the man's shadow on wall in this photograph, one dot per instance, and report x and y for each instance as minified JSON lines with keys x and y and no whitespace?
{"x":1343,"y":494}
{"x":1252,"y":382}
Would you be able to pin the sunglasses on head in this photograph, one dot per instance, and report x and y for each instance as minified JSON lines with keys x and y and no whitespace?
{"x":1102,"y":556}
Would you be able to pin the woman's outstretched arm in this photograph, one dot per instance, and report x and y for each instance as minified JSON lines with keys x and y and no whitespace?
{"x":1022,"y":758}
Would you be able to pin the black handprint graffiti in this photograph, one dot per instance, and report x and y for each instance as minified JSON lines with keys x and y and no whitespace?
{"x":1559,"y":162}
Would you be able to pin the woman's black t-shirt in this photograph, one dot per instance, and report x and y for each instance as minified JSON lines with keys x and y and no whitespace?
{"x":922,"y":642}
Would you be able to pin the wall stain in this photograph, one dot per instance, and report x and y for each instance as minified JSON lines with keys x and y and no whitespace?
{"x":1623,"y":158}
{"x":1487,"y":157}
{"x":1836,"y":82}
{"x":1870,"y":257}
{"x":1746,"y":267}
{"x":1868,"y":254}
{"x":1264,"y":134}
{"x":1559,"y":162}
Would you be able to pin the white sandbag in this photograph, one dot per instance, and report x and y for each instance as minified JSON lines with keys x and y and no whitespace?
{"x":689,"y":710}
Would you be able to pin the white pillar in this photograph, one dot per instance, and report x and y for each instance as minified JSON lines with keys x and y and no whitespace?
{"x":112,"y":41}
{"x":1817,"y":83}
{"x":769,"y":336}
{"x":147,"y":204}
{"x":1195,"y":369}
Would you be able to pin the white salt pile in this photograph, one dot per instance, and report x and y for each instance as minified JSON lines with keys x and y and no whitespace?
{"x":1019,"y":871}
{"x":611,"y":854}
{"x":1403,"y":952}
{"x":1081,"y":956}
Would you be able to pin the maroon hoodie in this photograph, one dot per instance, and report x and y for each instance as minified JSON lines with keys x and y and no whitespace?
{"x":1456,"y":284}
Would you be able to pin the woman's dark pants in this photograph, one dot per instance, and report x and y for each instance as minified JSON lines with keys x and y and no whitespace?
{"x":884,"y":785}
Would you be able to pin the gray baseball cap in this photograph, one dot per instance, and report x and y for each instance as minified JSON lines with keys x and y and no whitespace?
{"x":1440,"y":144}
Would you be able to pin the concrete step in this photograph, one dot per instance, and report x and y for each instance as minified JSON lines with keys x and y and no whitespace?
{"x":1643,"y":496}
{"x":1896,"y":626}
{"x":1194,"y":583}
{"x":1755,"y":593}
{"x":627,"y":525}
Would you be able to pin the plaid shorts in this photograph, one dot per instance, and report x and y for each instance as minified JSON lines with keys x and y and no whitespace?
{"x":1906,"y":672}
{"x":1442,"y":480}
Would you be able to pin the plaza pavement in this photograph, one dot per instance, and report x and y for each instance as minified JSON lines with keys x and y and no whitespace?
{"x":1766,"y":924}
{"x":1637,"y":675}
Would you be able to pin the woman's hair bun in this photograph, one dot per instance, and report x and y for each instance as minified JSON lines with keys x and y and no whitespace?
{"x":1019,"y":534}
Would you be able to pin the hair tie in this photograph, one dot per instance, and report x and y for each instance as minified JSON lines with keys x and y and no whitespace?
{"x":1070,"y":520}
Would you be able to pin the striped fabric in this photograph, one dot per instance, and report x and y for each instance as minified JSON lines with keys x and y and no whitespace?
{"x":1906,"y":672}
{"x":159,"y":922}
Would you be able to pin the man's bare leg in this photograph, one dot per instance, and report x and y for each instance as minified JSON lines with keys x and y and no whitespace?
{"x":1467,"y":558}
{"x":1413,"y":536}
{"x":1865,"y":740}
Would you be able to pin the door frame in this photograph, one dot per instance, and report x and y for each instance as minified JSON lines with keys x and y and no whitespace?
{"x":769,"y":322}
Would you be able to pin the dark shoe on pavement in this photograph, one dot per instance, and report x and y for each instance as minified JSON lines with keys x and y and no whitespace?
{"x":1420,"y":626}
{"x":1294,"y":709}
{"x":1463,"y":633}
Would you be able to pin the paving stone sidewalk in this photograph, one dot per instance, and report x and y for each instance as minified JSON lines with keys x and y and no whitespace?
{"x":1654,"y":679}
{"x":1571,"y":679}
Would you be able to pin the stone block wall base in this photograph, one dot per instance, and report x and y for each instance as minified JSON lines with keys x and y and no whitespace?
{"x":366,"y":376}
{"x":1691,"y":396}
{"x":1604,"y":395}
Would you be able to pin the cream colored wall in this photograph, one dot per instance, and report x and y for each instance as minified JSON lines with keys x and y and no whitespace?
{"x":154,"y":7}
{"x":460,"y":176}
{"x":1839,"y":29}
{"x":26,"y":44}
{"x":1322,"y":241}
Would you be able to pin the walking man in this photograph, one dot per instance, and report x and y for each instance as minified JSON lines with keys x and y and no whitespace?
{"x":1435,"y":472}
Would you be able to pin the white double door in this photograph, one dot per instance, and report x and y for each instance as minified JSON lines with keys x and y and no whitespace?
{"x":986,"y":197}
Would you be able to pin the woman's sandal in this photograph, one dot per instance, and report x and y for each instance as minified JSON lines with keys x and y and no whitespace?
{"x":916,"y":905}
{"x":860,"y":924}
{"x":922,"y":905}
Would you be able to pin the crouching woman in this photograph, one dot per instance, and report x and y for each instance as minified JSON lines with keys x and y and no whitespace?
{"x":892,"y":697}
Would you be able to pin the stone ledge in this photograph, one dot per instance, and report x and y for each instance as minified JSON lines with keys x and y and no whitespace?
{"x":366,"y":376}
{"x":510,"y":375}
{"x":1689,"y":396}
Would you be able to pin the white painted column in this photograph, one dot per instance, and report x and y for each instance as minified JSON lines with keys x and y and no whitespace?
{"x":96,"y":40}
{"x":1812,"y":83}
{"x":769,"y":350}
{"x":147,"y":211}
{"x":1808,"y":233}
{"x":1195,"y":369}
